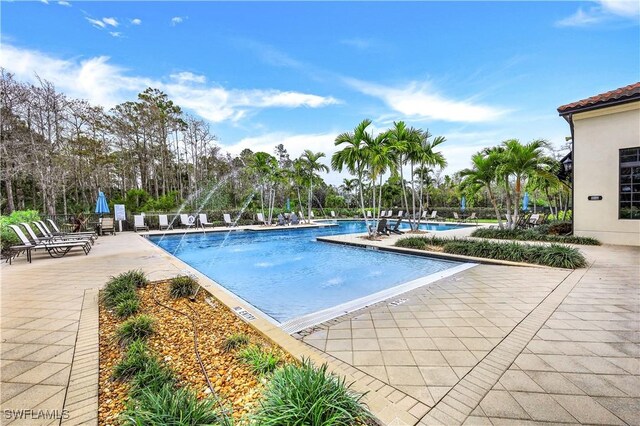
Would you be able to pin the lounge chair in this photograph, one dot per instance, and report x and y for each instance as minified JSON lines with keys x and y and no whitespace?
{"x":396,"y":227}
{"x":56,"y":230}
{"x":55,"y":249}
{"x":301,"y":216}
{"x":382,"y":227}
{"x":64,"y":237}
{"x":533,"y":220}
{"x":260,"y":218}
{"x":187,"y":220}
{"x":333,"y":214}
{"x":311,"y":215}
{"x":472,"y":218}
{"x":294,"y":219}
{"x":138,"y":223}
{"x":434,"y":215}
{"x":281,"y":220}
{"x":400,"y":214}
{"x":369,"y":216}
{"x":107,"y":225}
{"x":456,"y":217}
{"x":163,"y":222}
{"x":203,"y":220}
{"x":226,"y":217}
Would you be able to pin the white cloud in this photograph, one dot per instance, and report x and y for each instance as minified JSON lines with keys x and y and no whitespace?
{"x":420,"y":101}
{"x":358,"y":43}
{"x":115,"y":33}
{"x":102,"y":83}
{"x":177,"y":20}
{"x":604,"y":10}
{"x":96,"y":22}
{"x":185,"y":77}
{"x":110,"y":21}
{"x":136,"y":21}
{"x":44,"y":1}
{"x":64,"y":3}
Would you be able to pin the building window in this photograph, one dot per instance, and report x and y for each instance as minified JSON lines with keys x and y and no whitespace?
{"x":629,"y":183}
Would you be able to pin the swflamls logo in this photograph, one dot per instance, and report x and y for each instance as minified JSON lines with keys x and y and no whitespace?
{"x":31,"y":414}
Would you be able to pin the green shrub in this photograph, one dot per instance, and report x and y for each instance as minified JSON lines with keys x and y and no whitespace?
{"x":127,"y":307}
{"x":171,"y":406}
{"x":7,"y":236}
{"x":235,"y":341}
{"x":305,"y":395}
{"x":183,"y":286}
{"x":259,"y":360}
{"x":559,"y":256}
{"x":135,"y":360}
{"x":152,"y":377}
{"x":537,"y":234}
{"x":138,"y":327}
{"x":116,"y":291}
{"x":136,"y":277}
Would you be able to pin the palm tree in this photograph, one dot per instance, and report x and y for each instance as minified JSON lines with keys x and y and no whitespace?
{"x":352,"y":157}
{"x":400,"y":140}
{"x":522,"y":161}
{"x":348,"y":185}
{"x":424,"y":156}
{"x":311,"y":164}
{"x":378,"y":159}
{"x":264,"y":166}
{"x":483,"y":174}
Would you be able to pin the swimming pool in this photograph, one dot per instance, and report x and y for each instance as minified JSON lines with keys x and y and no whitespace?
{"x":288,"y":275}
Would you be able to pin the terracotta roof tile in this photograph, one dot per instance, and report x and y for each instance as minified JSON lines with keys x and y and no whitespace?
{"x":628,"y":92}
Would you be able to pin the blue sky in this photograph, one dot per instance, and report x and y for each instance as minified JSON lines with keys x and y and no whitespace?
{"x":299,"y":73}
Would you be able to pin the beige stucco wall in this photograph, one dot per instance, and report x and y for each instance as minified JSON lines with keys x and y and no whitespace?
{"x":598,"y":137}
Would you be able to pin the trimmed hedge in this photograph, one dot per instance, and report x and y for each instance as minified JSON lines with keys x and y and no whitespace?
{"x":554,"y":255}
{"x":532,"y":235}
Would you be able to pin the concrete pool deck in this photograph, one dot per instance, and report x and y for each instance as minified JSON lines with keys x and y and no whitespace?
{"x":490,"y":345}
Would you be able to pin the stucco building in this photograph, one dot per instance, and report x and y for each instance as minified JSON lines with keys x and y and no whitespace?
{"x":606,"y":165}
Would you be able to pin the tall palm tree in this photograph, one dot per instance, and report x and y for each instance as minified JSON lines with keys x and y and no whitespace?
{"x":423,"y":154}
{"x":483,"y":174}
{"x":311,"y":164}
{"x":264,"y":165}
{"x":348,"y":186}
{"x":522,"y":161}
{"x":400,"y":140}
{"x":352,"y":157}
{"x":378,"y":159}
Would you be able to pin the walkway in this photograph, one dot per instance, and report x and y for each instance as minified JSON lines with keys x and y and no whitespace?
{"x":490,"y":345}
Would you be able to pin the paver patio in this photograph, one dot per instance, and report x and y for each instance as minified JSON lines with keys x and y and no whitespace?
{"x":490,"y":345}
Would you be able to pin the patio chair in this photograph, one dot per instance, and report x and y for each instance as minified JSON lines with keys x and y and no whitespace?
{"x":382,"y":227}
{"x":63,"y":237}
{"x":400,"y":214}
{"x":533,"y":220}
{"x":294,"y":219}
{"x":163,"y":222}
{"x":204,"y":220}
{"x":434,"y":215}
{"x":369,"y":216}
{"x":472,"y":218}
{"x":281,"y":220}
{"x":187,"y":220}
{"x":55,"y":249}
{"x":226,"y":217}
{"x":260,"y":218}
{"x":396,"y":227}
{"x":56,"y":230}
{"x":311,"y":216}
{"x":107,"y":225}
{"x":456,"y":217}
{"x":138,"y":223}
{"x":333,"y":214}
{"x":523,"y":220}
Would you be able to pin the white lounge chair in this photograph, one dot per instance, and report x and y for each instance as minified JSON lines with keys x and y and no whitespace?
{"x":311,"y":215}
{"x":187,"y":220}
{"x":51,"y":237}
{"x":55,"y":249}
{"x":333,"y":214}
{"x":369,"y":216}
{"x":227,"y":219}
{"x":138,"y":223}
{"x":56,"y":230}
{"x":163,"y":222}
{"x":456,"y":217}
{"x":204,"y":221}
{"x":400,"y":214}
{"x":434,"y":215}
{"x":260,"y":218}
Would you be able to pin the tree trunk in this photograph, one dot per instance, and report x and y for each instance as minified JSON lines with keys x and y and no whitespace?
{"x":495,"y":207}
{"x":9,"y":191}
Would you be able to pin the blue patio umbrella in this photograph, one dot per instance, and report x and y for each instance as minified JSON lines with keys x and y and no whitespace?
{"x":101,"y":204}
{"x":463,"y":203}
{"x":525,"y":202}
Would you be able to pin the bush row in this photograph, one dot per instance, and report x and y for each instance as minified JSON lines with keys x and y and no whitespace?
{"x":532,"y":235}
{"x":554,"y":255}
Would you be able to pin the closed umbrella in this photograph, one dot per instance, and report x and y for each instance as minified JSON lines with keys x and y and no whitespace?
{"x":463,"y":203}
{"x":101,"y":204}
{"x":525,"y":202}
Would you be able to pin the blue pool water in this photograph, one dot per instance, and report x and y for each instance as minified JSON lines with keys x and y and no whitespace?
{"x":286,"y":273}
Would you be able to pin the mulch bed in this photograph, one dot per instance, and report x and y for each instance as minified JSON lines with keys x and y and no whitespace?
{"x":172,"y":341}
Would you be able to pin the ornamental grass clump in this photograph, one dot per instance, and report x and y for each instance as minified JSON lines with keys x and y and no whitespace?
{"x":117,"y":290}
{"x":171,"y":406}
{"x":136,"y":277}
{"x":138,"y":327}
{"x":183,"y":286}
{"x":151,"y":378}
{"x":259,"y":360}
{"x":127,"y":307}
{"x":306,"y":395}
{"x":135,"y":360}
{"x":235,"y":341}
{"x":559,"y":256}
{"x":537,"y":234}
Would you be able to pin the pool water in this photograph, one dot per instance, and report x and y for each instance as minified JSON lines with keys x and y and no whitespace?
{"x":286,"y":273}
